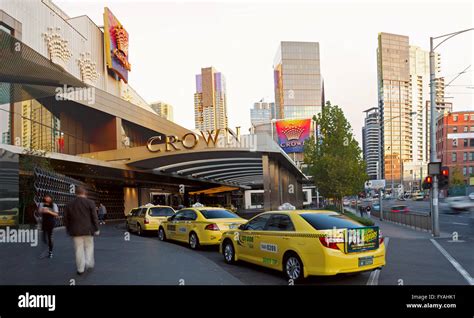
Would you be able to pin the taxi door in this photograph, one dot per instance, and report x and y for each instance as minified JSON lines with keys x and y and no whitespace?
{"x":172,"y":226}
{"x":276,"y":240}
{"x":184,"y":224}
{"x":248,"y":240}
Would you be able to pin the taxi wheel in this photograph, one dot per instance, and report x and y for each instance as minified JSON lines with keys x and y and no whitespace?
{"x":293,"y":267}
{"x":161,"y":234}
{"x":139,"y":229}
{"x":229,"y":252}
{"x":193,"y":241}
{"x":127,"y":226}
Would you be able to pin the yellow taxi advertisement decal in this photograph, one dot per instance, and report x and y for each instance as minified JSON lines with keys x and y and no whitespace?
{"x":362,"y":239}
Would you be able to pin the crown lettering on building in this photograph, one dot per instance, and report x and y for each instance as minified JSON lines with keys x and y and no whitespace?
{"x":58,"y":48}
{"x":293,"y":133}
{"x":88,"y":69}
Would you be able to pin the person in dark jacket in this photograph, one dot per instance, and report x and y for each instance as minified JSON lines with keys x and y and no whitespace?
{"x":49,"y":212}
{"x":80,"y":219}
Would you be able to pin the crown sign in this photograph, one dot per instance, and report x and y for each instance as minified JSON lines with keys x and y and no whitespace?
{"x":121,"y":38}
{"x":293,"y":133}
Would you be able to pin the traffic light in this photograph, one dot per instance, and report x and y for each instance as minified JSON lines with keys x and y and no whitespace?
{"x":427,"y":183}
{"x":444,"y":177}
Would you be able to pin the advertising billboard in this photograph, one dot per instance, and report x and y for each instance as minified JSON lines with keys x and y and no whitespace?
{"x":116,"y":45}
{"x":292,"y":133}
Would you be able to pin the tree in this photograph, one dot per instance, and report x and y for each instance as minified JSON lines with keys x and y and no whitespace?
{"x":457,"y":178}
{"x":334,"y":158}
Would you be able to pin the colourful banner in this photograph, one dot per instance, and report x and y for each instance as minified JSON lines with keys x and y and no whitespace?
{"x":292,"y":133}
{"x":116,"y":46}
{"x":362,"y":239}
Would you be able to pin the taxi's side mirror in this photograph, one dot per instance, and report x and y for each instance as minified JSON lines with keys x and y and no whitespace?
{"x":243,"y":227}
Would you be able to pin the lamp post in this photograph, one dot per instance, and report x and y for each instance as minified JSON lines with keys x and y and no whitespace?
{"x":433,"y":155}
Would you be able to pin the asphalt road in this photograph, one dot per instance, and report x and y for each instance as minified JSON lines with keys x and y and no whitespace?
{"x":412,"y":258}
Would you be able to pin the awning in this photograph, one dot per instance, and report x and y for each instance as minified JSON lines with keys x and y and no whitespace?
{"x":26,"y":74}
{"x":215,"y":190}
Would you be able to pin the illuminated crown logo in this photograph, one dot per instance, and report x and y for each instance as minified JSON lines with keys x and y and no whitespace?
{"x":121,"y":38}
{"x":293,"y":133}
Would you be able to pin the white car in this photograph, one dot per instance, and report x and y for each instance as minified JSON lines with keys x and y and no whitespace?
{"x":471,"y":195}
{"x":460,"y":204}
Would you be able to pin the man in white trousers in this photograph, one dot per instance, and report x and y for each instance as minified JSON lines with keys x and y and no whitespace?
{"x":80,"y":219}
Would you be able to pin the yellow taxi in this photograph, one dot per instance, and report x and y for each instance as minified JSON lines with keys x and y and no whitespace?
{"x":147,"y":218}
{"x":199,"y":225}
{"x":9,"y":217}
{"x":301,"y":243}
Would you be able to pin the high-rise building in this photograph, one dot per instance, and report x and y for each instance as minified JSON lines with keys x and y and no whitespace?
{"x":297,"y":80}
{"x":261,"y":116}
{"x":40,"y":128}
{"x":371,"y":142}
{"x":210,"y":104}
{"x":403,"y":89}
{"x":163,"y":109}
{"x":262,"y":113}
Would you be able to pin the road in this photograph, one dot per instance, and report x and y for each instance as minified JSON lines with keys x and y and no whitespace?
{"x":462,"y":223}
{"x":412,"y":258}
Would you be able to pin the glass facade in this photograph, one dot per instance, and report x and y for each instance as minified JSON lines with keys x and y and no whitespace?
{"x":297,"y":80}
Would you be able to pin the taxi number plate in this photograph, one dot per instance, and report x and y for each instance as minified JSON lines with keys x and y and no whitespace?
{"x":364,"y":261}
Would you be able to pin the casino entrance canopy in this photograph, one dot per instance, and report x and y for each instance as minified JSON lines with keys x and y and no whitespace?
{"x":255,"y":162}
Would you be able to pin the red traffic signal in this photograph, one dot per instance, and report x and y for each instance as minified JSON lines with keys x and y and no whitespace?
{"x":428,"y":182}
{"x":445,"y":172}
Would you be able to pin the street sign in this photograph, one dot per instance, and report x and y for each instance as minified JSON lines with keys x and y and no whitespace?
{"x":434,"y":168}
{"x":375,"y":184}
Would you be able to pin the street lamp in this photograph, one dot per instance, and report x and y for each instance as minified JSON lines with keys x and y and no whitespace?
{"x":433,"y":156}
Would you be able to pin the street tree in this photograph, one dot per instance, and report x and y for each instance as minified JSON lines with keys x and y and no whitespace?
{"x":334,"y":157}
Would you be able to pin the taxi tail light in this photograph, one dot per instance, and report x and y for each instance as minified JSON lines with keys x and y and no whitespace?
{"x":329,"y":242}
{"x":146,"y":221}
{"x":212,"y":227}
{"x":380,"y":237}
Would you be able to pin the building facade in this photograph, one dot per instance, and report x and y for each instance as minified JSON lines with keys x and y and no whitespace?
{"x":403,"y":91}
{"x":455,"y":142}
{"x":163,"y":109}
{"x":210,"y":100}
{"x":371,"y":142}
{"x":297,"y":80}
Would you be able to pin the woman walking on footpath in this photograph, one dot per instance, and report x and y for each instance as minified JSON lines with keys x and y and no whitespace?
{"x":49,"y":212}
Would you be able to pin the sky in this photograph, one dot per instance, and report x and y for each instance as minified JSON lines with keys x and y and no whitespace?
{"x":171,"y":41}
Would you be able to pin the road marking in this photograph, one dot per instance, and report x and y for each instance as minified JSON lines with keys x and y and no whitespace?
{"x":453,"y":262}
{"x":459,"y":223}
{"x":374,"y":275}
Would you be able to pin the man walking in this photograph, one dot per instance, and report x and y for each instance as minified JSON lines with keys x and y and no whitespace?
{"x":102,"y":213}
{"x":80,"y":219}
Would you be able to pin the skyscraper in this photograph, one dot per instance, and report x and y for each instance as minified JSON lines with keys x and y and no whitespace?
{"x":163,"y":109}
{"x":262,"y":113}
{"x":210,"y":105}
{"x":261,"y":116}
{"x":297,"y":80}
{"x":403,"y":89}
{"x":371,"y":142}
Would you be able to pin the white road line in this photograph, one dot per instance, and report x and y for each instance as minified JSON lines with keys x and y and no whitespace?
{"x":453,"y":262}
{"x":374,"y":275}
{"x":459,"y":223}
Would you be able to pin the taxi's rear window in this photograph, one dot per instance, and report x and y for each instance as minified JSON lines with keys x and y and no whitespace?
{"x":218,"y":214}
{"x":321,"y":221}
{"x":161,"y":211}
